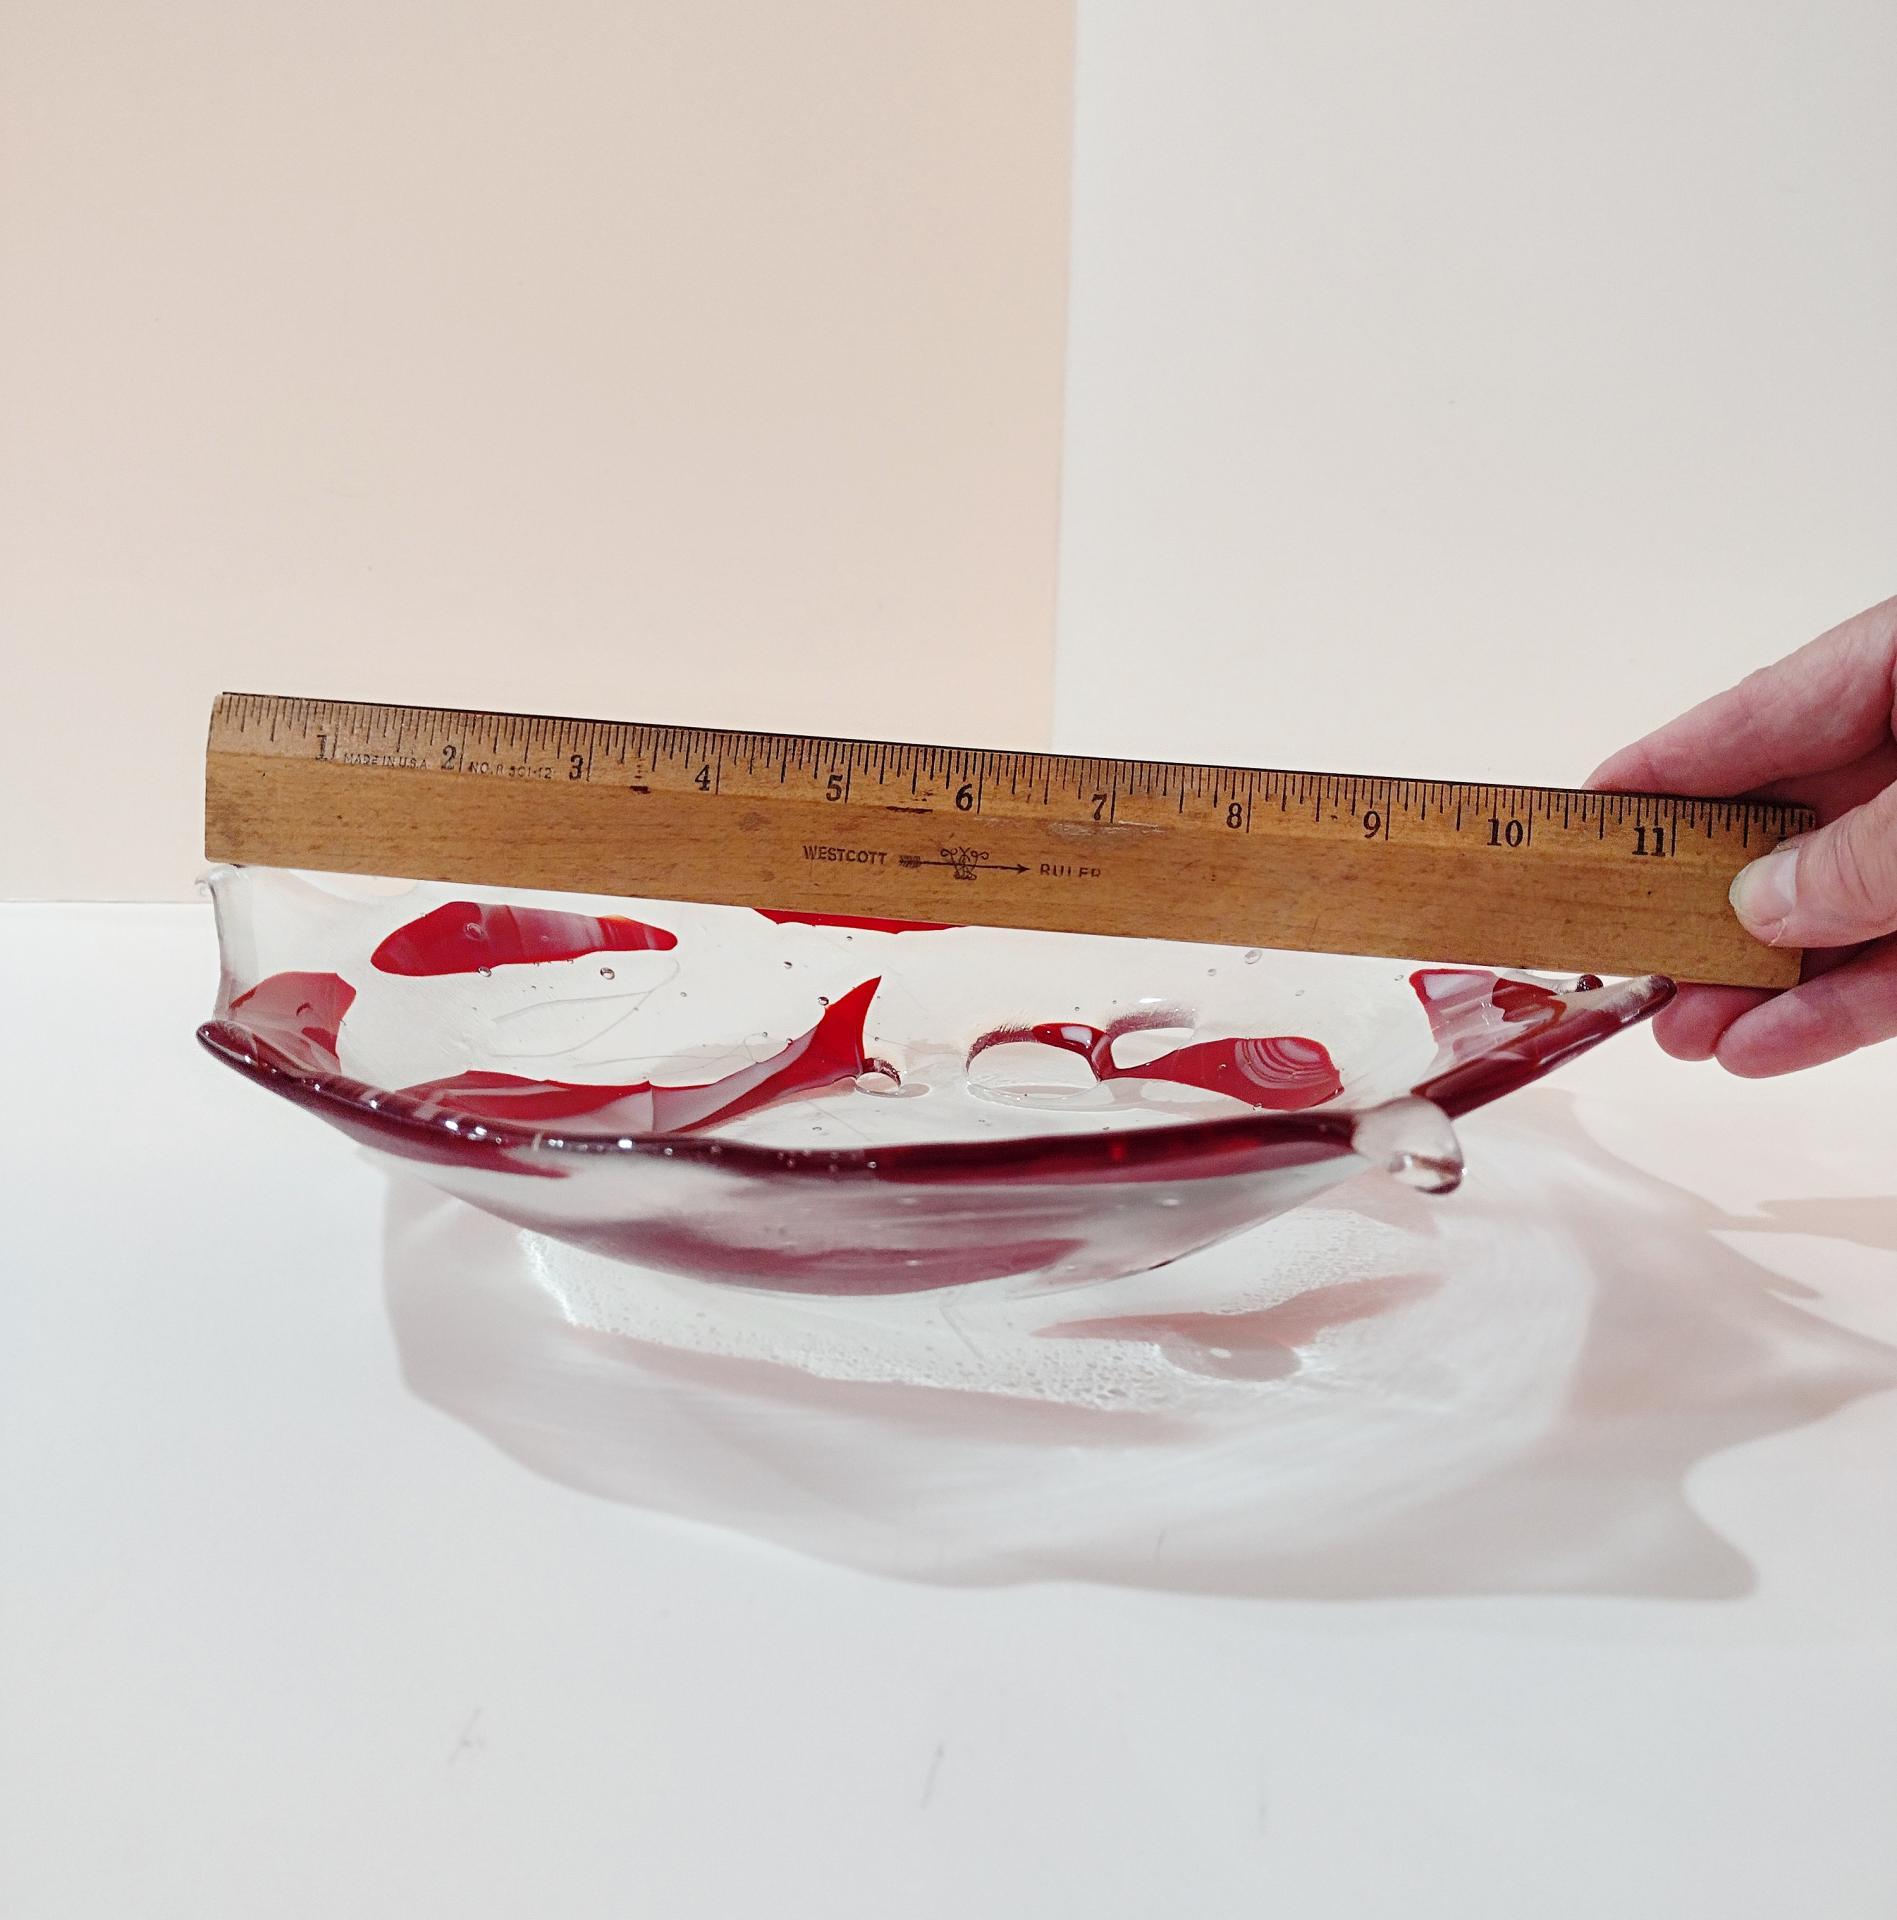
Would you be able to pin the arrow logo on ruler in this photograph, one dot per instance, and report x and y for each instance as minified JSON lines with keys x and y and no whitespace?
{"x":964,"y":862}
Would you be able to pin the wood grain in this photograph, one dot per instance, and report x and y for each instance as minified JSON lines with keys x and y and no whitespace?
{"x":1430,"y":870}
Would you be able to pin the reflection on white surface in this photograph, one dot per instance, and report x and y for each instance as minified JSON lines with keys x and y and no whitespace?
{"x":1378,"y":1395}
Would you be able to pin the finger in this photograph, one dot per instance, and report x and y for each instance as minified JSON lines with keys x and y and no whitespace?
{"x":1690,"y":1025}
{"x":1838,"y":789}
{"x":1827,"y":888}
{"x":1853,"y":1006}
{"x":1824,"y":705}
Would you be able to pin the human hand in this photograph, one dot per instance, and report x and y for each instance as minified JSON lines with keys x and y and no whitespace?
{"x":1819,"y":726}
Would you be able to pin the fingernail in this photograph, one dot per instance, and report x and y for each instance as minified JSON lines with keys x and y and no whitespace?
{"x":1764,"y":893}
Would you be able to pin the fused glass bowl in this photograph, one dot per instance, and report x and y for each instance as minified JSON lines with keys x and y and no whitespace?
{"x":861,"y":1107}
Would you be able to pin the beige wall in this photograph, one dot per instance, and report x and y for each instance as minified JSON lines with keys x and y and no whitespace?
{"x":687,"y":359}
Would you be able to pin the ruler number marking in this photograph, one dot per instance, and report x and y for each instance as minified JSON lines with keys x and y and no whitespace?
{"x":947,"y":781}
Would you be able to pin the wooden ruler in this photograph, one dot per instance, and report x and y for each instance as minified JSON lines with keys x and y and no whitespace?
{"x":1352,"y":863}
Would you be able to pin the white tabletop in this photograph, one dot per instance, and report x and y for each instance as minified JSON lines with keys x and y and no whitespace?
{"x":281,"y":1633}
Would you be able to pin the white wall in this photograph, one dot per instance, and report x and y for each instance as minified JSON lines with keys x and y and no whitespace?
{"x":680,"y":359}
{"x":1459,"y":388}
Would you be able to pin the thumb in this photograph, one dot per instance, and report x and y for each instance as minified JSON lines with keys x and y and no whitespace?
{"x":1831,"y":888}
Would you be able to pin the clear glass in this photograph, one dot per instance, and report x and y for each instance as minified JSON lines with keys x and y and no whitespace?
{"x":862,"y":1107}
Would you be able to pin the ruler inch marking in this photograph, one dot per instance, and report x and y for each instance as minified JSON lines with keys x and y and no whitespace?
{"x":388,"y":787}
